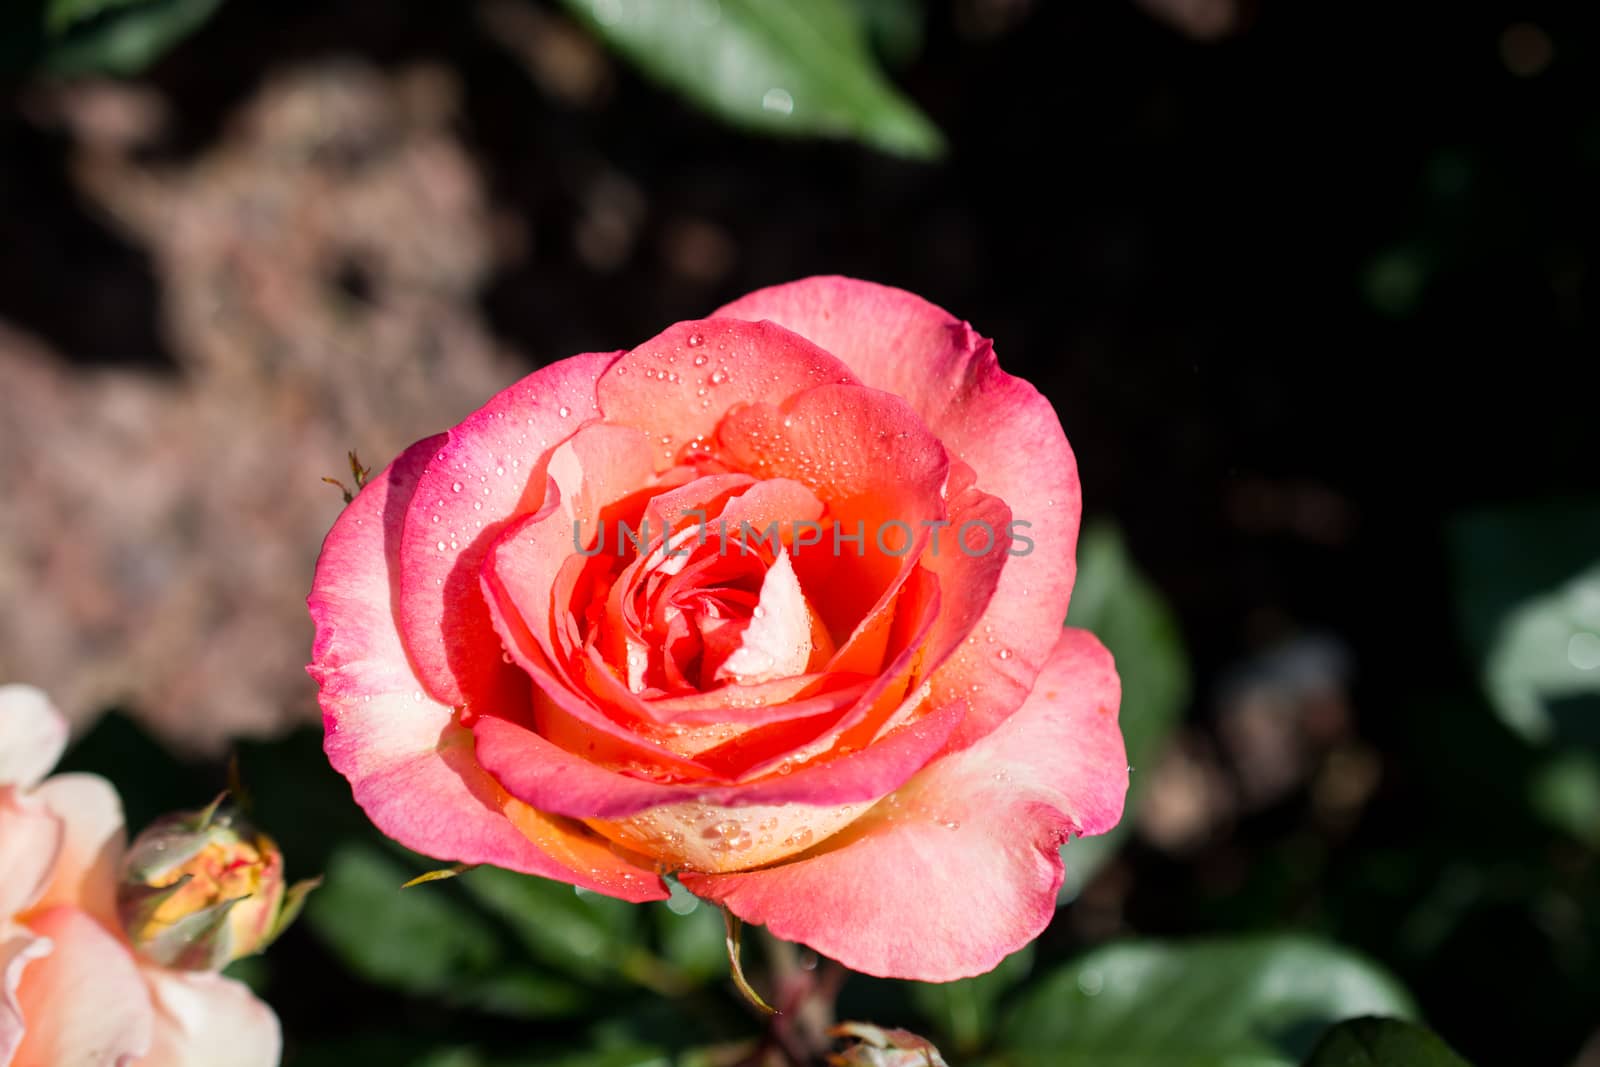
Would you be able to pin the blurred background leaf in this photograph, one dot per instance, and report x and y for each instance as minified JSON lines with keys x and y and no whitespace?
{"x":964,"y":1012}
{"x":1116,"y":603}
{"x":426,"y":939}
{"x":773,"y":66}
{"x":1256,"y":1002}
{"x":1543,"y":672}
{"x":1382,"y":1043}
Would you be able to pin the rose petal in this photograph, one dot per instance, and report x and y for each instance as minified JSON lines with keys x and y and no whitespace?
{"x":32,"y":735}
{"x":206,"y":1019}
{"x":961,"y":867}
{"x":410,"y":763}
{"x":18,"y":948}
{"x":84,"y":1003}
{"x":516,"y":587}
{"x":679,"y":384}
{"x":867,"y":456}
{"x":1000,"y":425}
{"x":777,"y":643}
{"x":551,"y":779}
{"x":85,"y":871}
{"x":30,"y":841}
{"x":495,"y":460}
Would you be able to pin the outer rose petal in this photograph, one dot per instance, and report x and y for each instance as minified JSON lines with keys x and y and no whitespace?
{"x":409,"y":761}
{"x":552,"y":779}
{"x":18,"y":948}
{"x":494,"y":459}
{"x":30,"y":841}
{"x":85,"y":870}
{"x":961,"y":866}
{"x":32,"y":735}
{"x":898,"y":342}
{"x":678,"y":385}
{"x":84,"y":1003}
{"x":206,"y":1020}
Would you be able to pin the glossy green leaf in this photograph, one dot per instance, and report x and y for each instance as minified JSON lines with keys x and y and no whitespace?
{"x":770,"y":65}
{"x":1543,"y":671}
{"x":1382,"y":1043}
{"x":1114,"y":601}
{"x":1250,"y":1002}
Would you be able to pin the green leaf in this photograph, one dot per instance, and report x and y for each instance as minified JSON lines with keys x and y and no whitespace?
{"x":1382,"y":1043}
{"x":582,"y":933}
{"x":417,"y":940}
{"x":1546,"y":655}
{"x":426,"y":940}
{"x":118,"y":36}
{"x":691,"y":934}
{"x":1565,"y":791}
{"x":1501,"y":558}
{"x":1252,"y":1002}
{"x":60,"y":14}
{"x":895,"y":27}
{"x":964,"y":1010}
{"x":1115,"y":602}
{"x":770,"y":65}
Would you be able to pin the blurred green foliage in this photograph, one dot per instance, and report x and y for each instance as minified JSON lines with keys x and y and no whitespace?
{"x":1247,"y":1002}
{"x":765,"y":65}
{"x":1374,"y":1042}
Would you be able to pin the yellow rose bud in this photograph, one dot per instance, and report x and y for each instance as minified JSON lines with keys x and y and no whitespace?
{"x":201,"y":889}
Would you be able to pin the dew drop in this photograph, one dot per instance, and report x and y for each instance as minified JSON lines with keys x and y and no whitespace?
{"x":455,"y":487}
{"x":563,"y":411}
{"x":695,"y":340}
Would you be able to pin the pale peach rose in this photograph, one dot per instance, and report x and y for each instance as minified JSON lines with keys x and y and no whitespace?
{"x":73,"y":993}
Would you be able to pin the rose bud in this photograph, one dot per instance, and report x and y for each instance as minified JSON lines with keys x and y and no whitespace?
{"x":876,"y":1046}
{"x":201,"y":889}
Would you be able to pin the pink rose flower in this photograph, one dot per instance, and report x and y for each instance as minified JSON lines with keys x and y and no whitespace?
{"x":822,"y":675}
{"x":72,"y":991}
